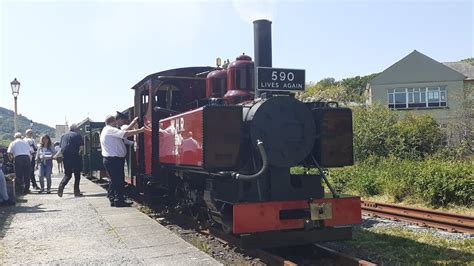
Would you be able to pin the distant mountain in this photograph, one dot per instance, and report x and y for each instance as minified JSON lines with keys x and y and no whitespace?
{"x":7,"y":126}
{"x":469,"y":60}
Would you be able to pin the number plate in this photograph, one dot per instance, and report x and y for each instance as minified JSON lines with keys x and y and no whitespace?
{"x":320,"y":211}
{"x":280,"y":79}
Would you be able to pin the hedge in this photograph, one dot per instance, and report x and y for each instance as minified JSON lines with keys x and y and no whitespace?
{"x":433,"y":182}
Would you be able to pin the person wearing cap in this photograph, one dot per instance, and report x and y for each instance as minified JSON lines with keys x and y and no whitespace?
{"x":19,"y":151}
{"x":72,"y":146}
{"x":122,"y":123}
{"x":113,"y":153}
{"x":33,"y":148}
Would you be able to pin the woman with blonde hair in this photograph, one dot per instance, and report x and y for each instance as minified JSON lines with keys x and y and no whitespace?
{"x":44,"y":160}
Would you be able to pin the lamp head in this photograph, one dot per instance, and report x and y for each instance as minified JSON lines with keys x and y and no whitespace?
{"x":15,"y":84}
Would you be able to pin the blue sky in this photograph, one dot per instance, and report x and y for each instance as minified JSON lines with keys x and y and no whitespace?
{"x":80,"y":58}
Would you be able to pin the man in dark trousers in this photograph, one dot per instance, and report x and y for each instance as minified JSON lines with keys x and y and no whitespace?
{"x":114,"y":152}
{"x":71,"y":147}
{"x":31,"y":141}
{"x":19,"y":150}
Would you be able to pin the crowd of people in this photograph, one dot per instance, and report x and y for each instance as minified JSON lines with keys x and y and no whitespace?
{"x":25,"y":157}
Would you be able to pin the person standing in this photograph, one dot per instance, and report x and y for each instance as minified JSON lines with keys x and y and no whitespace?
{"x":44,"y":159}
{"x":19,"y":150}
{"x":33,"y":148}
{"x":123,"y":124}
{"x":113,"y":153}
{"x":71,"y":147}
{"x":58,"y":156}
{"x":4,"y":198}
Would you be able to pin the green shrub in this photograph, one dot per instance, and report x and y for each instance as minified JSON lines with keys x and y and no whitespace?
{"x":433,"y":182}
{"x":441,"y":183}
{"x":416,"y":138}
{"x":373,"y":127}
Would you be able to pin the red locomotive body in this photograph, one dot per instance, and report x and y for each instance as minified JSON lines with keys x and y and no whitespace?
{"x":225,"y":152}
{"x":181,"y":139}
{"x":217,"y":128}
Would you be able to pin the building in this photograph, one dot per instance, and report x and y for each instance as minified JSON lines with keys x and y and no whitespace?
{"x":60,"y":131}
{"x":422,"y":85}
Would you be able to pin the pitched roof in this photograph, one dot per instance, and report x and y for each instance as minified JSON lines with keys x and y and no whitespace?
{"x":463,"y":68}
{"x":416,"y":67}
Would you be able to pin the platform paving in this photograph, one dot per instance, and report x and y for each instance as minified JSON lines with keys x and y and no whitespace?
{"x":46,"y":229}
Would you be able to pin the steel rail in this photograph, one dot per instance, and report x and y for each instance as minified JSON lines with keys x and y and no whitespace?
{"x":341,"y":258}
{"x":422,"y":217}
{"x":270,"y":258}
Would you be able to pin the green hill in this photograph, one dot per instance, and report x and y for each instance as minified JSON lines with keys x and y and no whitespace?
{"x":7,"y":126}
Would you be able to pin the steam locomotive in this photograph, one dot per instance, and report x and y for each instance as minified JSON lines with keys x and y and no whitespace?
{"x":223,"y":140}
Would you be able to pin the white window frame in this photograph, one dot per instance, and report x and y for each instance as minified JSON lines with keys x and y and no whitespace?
{"x":426,"y":97}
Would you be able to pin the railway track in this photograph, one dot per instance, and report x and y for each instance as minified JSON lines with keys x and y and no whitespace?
{"x":422,"y":217}
{"x":306,"y":255}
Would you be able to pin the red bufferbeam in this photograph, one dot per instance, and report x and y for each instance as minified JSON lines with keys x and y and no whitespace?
{"x":207,"y":138}
{"x":285,"y":215}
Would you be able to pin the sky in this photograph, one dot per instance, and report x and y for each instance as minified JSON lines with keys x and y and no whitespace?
{"x":78,"y":59}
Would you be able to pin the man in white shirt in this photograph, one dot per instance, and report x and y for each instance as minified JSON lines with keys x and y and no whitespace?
{"x":31,"y":141}
{"x":122,"y":123}
{"x":113,"y":153}
{"x":20,"y":151}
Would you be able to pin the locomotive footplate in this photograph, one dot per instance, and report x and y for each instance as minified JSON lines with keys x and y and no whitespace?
{"x":294,"y":237}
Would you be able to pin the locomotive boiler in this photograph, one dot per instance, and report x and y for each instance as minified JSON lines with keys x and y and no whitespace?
{"x":222,"y":142}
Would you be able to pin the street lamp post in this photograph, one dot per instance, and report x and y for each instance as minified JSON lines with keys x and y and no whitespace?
{"x":15,"y":91}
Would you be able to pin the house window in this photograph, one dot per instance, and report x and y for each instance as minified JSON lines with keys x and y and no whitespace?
{"x":401,"y":98}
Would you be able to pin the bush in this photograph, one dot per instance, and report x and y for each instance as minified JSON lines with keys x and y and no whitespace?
{"x":373,"y":127}
{"x":433,"y":182}
{"x":441,"y":183}
{"x":416,"y":138}
{"x":379,"y":132}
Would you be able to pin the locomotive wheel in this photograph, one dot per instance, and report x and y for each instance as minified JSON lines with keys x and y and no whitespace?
{"x":227,"y":227}
{"x":185,"y":205}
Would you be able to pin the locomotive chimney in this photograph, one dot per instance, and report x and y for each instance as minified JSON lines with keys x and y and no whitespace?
{"x":262,"y":34}
{"x":262,"y":40}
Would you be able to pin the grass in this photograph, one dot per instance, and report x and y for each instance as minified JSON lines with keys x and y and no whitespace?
{"x":145,"y":209}
{"x":201,"y":245}
{"x":403,"y":247}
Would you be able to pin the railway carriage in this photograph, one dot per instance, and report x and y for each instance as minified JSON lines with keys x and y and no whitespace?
{"x":222,"y":142}
{"x":91,"y":158}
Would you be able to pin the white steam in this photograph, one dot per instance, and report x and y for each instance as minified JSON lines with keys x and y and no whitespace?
{"x":250,"y":10}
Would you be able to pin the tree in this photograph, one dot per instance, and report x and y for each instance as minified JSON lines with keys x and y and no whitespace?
{"x":356,"y":86}
{"x":373,"y":127}
{"x":469,"y":60}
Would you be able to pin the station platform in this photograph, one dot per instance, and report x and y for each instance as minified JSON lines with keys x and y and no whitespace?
{"x":47,"y":229}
